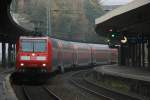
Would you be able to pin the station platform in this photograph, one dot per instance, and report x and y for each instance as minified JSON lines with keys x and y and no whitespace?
{"x":134,"y":73}
{"x":6,"y":90}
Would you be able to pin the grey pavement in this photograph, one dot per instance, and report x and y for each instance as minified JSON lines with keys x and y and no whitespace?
{"x":2,"y":94}
{"x":6,"y":91}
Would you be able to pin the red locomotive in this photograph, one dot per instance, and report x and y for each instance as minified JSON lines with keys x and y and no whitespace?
{"x":45,"y":55}
{"x":33,"y":53}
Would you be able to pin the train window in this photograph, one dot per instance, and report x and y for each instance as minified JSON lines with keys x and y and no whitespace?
{"x":26,"y":46}
{"x":39,"y":45}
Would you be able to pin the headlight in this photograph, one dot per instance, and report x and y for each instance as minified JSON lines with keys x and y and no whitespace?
{"x":44,"y":65}
{"x":21,"y":64}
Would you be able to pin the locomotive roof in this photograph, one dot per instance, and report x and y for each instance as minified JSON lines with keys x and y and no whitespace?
{"x":33,"y":37}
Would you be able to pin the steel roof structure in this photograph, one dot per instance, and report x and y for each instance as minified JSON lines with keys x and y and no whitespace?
{"x":9,"y":30}
{"x":131,"y":18}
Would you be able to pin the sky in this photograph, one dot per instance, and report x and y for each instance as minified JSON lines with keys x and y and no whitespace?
{"x":114,"y":2}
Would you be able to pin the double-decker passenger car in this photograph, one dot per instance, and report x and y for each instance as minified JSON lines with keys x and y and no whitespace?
{"x":45,"y":55}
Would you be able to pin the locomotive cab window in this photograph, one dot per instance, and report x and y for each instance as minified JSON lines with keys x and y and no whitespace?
{"x":33,"y":45}
{"x":39,"y":45}
{"x":26,"y":46}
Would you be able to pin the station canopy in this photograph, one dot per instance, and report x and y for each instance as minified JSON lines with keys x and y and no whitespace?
{"x":9,"y":30}
{"x":131,"y":18}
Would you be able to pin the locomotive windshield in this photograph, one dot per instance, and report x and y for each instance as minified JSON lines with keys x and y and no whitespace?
{"x":39,"y":46}
{"x":26,"y":46}
{"x":33,"y":45}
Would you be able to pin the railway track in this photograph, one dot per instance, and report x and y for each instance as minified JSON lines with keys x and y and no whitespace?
{"x":38,"y":93}
{"x":79,"y":79}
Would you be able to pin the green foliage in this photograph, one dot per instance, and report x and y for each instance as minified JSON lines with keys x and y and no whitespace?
{"x":70,"y":19}
{"x":92,"y":10}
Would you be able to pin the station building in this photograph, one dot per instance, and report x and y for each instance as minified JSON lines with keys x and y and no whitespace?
{"x":128,"y":29}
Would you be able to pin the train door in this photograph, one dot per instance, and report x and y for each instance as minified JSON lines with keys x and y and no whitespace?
{"x":54,"y":54}
{"x":72,"y":54}
{"x":79,"y":54}
{"x":89,"y":54}
{"x":60,"y":56}
{"x":67,"y":54}
{"x":101,"y":54}
{"x":93,"y":55}
{"x":83,"y":54}
{"x":75,"y":55}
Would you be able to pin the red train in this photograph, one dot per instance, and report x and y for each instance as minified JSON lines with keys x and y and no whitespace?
{"x":45,"y":55}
